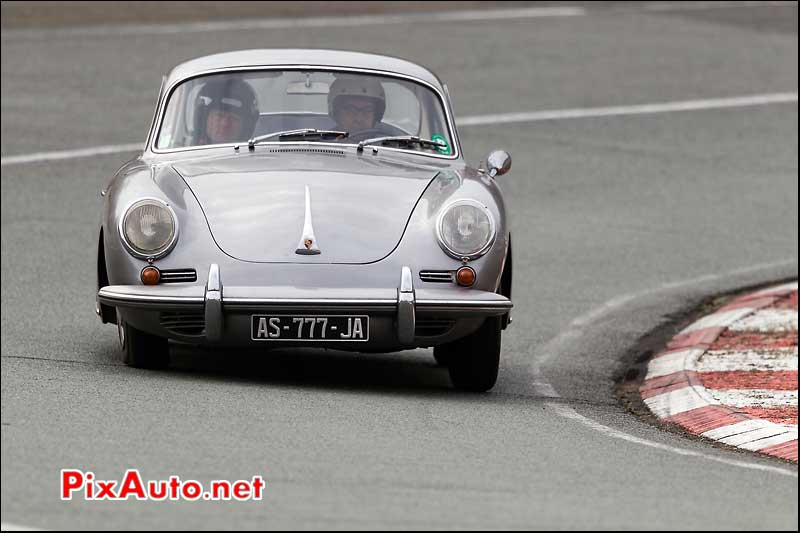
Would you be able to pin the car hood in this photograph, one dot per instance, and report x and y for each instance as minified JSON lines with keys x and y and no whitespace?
{"x":256,"y":206}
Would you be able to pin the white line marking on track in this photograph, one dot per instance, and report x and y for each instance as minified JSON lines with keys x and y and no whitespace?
{"x":636,"y":109}
{"x":570,"y":413}
{"x":6,"y":526}
{"x":547,"y":350}
{"x":702,"y":6}
{"x":476,"y":15}
{"x":348,"y":21}
{"x":555,"y":114}
{"x":70,"y":154}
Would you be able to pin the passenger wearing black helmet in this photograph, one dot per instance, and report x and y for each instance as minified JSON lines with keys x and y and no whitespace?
{"x":226,"y":111}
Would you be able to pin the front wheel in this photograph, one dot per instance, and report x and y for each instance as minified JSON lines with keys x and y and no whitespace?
{"x":142,"y":350}
{"x":442,"y":355}
{"x":473,"y":361}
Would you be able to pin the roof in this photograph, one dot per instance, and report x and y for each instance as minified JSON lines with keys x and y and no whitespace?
{"x":310,"y":57}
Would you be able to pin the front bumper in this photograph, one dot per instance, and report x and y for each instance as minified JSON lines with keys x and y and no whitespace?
{"x":400,"y":316}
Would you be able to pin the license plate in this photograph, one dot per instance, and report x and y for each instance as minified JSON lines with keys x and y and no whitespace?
{"x":309,"y":328}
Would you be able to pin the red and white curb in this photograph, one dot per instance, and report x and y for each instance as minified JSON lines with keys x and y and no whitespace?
{"x":732,"y":375}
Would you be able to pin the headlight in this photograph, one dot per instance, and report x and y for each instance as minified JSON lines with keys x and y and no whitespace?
{"x":149,"y":228}
{"x":465,"y":229}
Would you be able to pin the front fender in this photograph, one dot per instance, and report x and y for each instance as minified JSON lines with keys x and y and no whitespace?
{"x":195,"y":247}
{"x":420,"y":247}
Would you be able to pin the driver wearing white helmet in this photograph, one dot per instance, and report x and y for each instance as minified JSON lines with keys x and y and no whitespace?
{"x":356,"y":103}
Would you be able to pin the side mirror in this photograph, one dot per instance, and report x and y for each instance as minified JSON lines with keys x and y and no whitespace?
{"x":498,"y":163}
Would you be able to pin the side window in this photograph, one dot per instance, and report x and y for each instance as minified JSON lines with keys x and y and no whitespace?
{"x":166,"y":137}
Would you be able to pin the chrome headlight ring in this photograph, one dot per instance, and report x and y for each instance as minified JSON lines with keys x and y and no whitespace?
{"x":159,"y":251}
{"x":468,"y":255}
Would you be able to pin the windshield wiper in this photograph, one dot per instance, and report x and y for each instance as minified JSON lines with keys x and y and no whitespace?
{"x":402,"y":140}
{"x":290,"y":135}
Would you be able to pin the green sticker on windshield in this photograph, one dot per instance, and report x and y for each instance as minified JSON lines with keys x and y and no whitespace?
{"x":441,"y":149}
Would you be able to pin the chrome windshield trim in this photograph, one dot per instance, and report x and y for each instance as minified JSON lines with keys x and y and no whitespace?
{"x":153,"y":135}
{"x":339,"y":146}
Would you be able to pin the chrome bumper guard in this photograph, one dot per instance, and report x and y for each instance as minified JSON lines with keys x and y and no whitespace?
{"x":405,"y":302}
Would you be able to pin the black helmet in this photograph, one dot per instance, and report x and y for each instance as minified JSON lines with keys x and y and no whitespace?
{"x":227,"y":94}
{"x":358,"y":86}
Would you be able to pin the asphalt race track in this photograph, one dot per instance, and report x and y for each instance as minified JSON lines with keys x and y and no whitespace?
{"x":621,"y":225}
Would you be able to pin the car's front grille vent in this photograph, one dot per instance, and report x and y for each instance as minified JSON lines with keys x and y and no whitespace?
{"x":309,"y":151}
{"x":184,"y":323}
{"x":179,"y":275}
{"x":436,"y":276}
{"x":433,"y":327}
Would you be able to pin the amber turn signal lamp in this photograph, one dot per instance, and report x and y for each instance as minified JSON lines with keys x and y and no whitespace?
{"x":150,"y":275}
{"x":465,"y":276}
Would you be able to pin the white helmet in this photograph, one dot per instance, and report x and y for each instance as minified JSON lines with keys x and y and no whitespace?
{"x":358,"y":86}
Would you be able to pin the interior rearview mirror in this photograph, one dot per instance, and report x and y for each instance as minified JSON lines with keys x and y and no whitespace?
{"x":307,"y":87}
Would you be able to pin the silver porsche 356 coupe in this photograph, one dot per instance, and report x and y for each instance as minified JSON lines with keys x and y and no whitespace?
{"x":307,"y":198}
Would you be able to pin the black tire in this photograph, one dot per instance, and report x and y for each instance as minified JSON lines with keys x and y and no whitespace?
{"x":442,"y":354}
{"x":473,"y":361}
{"x":142,"y":350}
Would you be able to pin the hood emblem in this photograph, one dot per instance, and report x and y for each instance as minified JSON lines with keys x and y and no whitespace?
{"x":308,"y":243}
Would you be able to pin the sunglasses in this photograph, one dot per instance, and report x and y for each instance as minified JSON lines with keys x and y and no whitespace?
{"x":353,"y":109}
{"x":223,"y":115}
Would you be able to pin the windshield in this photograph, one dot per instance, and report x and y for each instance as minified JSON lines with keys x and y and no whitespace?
{"x":234,"y":107}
